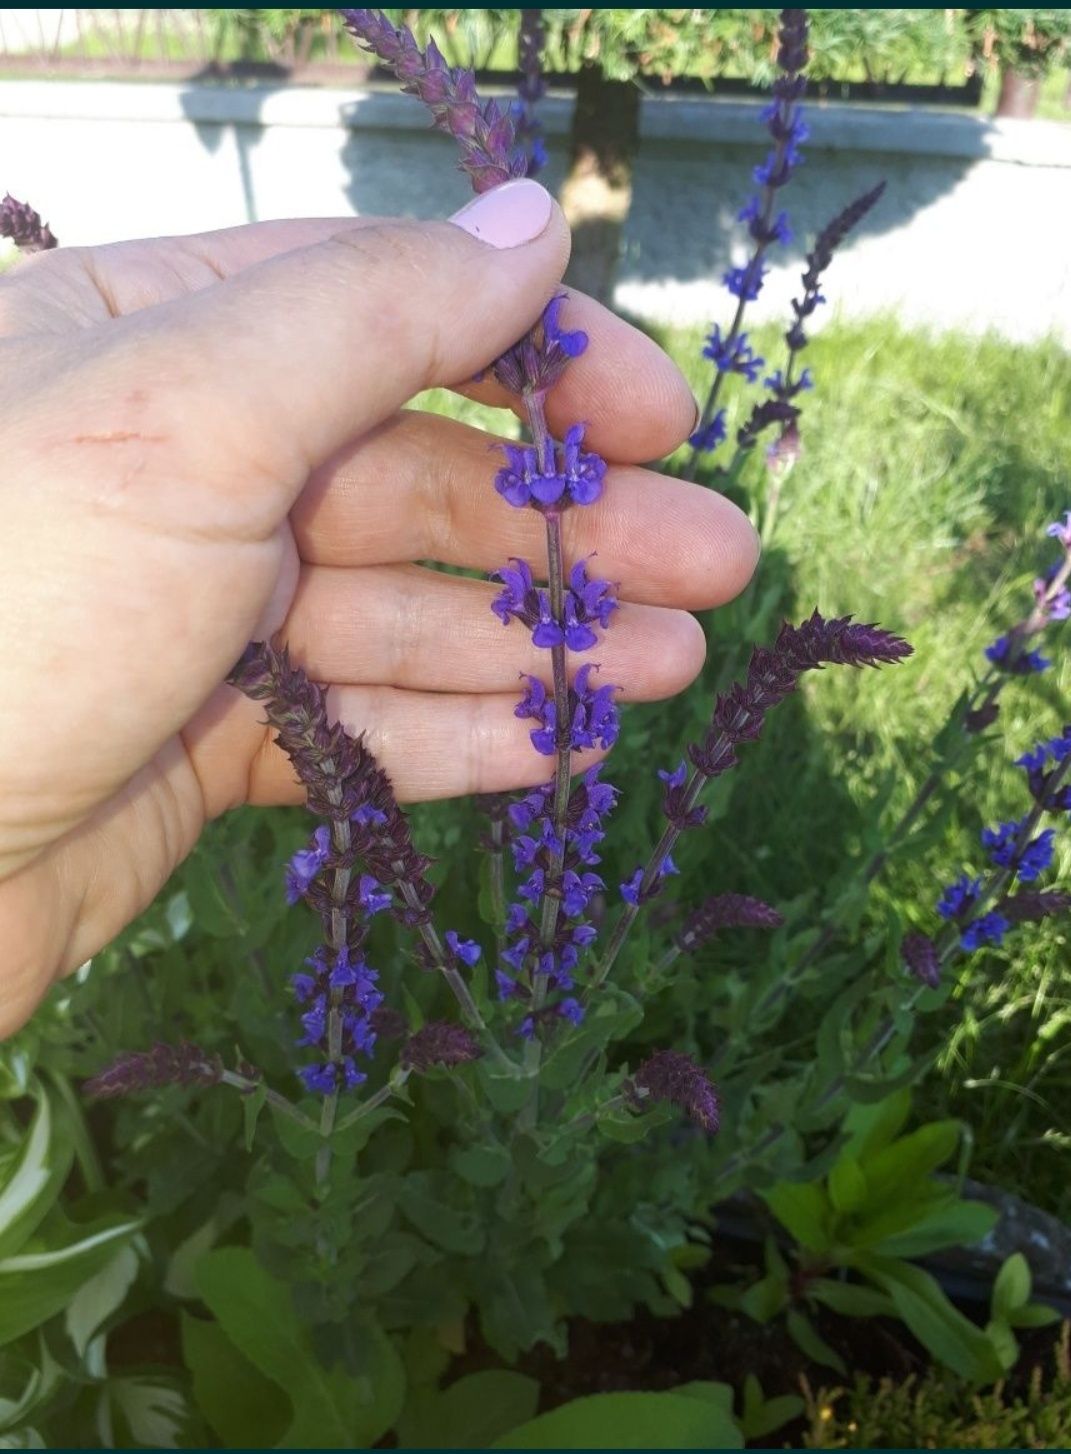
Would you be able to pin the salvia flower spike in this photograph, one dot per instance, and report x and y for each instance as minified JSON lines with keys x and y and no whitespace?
{"x":24,"y":226}
{"x":483,"y":131}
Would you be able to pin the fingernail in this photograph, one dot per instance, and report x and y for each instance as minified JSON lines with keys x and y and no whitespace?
{"x":508,"y":215}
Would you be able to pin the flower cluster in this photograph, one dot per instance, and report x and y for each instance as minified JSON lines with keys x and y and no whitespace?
{"x":669,"y":1075}
{"x":768,"y":225}
{"x":587,"y":603}
{"x":1011,"y":652}
{"x":482,"y":129}
{"x":551,"y":476}
{"x":24,"y":226}
{"x":978,"y":908}
{"x":153,"y":1069}
{"x":359,"y":862}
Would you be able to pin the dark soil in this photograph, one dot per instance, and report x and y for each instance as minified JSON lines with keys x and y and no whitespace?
{"x":708,"y":1342}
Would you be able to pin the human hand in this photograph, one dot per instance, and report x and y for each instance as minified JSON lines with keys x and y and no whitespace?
{"x":202,"y":445}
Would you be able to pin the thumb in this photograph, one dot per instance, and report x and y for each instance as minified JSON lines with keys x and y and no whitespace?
{"x":293,"y":357}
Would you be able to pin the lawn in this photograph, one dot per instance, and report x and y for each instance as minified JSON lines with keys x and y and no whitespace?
{"x":931,"y":466}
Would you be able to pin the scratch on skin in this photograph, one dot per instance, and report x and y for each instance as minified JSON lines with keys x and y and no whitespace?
{"x":119,"y":436}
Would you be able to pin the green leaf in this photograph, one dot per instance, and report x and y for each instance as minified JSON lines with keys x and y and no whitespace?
{"x":851,"y":1300}
{"x":944,"y":1332}
{"x":1011,"y":1289}
{"x":252,"y":1105}
{"x":802,"y":1208}
{"x":901,"y":1166}
{"x":761,"y":1415}
{"x":35,"y":1285}
{"x":331,"y":1409}
{"x":871,"y":1127}
{"x":1004,"y":1342}
{"x":953,"y":1224}
{"x":471,"y":1414}
{"x":847,"y":1184}
{"x":246,"y":1409}
{"x":33,"y":1180}
{"x":97,"y":1299}
{"x":628,"y":1421}
{"x":423,"y":1198}
{"x":720,"y":1395}
{"x":1034,"y":1315}
{"x":481,"y":1165}
{"x":806,"y":1338}
{"x":765,"y":1298}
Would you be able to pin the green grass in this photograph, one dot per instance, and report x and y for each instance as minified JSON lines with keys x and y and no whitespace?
{"x":931,"y":466}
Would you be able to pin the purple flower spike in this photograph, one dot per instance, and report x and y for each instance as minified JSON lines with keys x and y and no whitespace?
{"x":668,"y":1075}
{"x":1032,"y":905}
{"x":725,"y":911}
{"x":439,"y":1043}
{"x":153,"y":1069}
{"x":24,"y":226}
{"x":919,"y":953}
{"x":484,"y":132}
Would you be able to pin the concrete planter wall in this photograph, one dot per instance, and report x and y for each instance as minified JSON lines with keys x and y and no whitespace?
{"x":972,"y":231}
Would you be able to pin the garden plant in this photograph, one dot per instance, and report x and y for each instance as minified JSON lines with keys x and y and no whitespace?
{"x":374,"y":1108}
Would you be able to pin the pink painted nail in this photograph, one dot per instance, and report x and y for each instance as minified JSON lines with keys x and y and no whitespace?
{"x":506,"y":216}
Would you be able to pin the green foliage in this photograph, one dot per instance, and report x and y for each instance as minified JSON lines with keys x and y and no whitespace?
{"x":939,"y":1412}
{"x":442,"y":1206}
{"x":878,"y":1205}
{"x":688,"y":1418}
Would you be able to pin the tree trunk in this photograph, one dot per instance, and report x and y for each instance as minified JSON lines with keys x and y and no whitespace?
{"x":597,"y":192}
{"x":1018,"y":94}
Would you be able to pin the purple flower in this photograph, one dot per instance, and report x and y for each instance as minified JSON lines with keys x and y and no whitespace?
{"x":1029,"y":862}
{"x":725,"y":911}
{"x":919,"y":953}
{"x":632,"y":890}
{"x":24,"y":226}
{"x":537,"y":362}
{"x":564,"y":475}
{"x":1056,"y":607}
{"x":1061,"y":532}
{"x":959,"y":898}
{"x":306,"y":864}
{"x":708,"y":436}
{"x":776,"y":230}
{"x":163,"y":1065}
{"x":467,"y":950}
{"x":571,"y":1009}
{"x":591,"y":713}
{"x":987,"y":929}
{"x":531,"y":88}
{"x":439,"y":1043}
{"x":733,"y":354}
{"x":483,"y":131}
{"x":745,"y":282}
{"x":1030,"y":906}
{"x":668,"y":1075}
{"x":1014,"y":659}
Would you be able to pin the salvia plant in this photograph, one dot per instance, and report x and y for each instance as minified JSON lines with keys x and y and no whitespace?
{"x":427,"y":1161}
